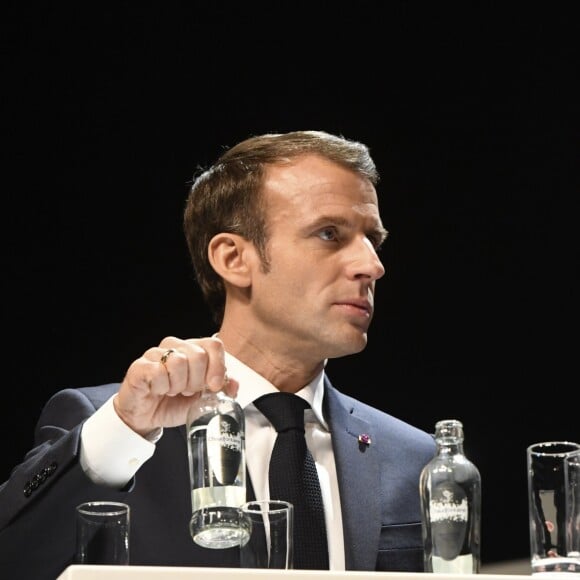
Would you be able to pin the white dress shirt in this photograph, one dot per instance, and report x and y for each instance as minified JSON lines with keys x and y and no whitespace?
{"x":104,"y":431}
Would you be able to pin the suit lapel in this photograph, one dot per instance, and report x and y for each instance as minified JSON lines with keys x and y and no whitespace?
{"x":358,"y":480}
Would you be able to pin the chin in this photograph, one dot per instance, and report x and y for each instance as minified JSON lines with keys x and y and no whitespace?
{"x":348,"y":347}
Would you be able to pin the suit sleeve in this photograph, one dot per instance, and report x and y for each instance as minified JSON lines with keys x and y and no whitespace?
{"x":37,"y":502}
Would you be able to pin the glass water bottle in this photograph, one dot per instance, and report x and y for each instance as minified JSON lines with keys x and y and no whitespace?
{"x":217,"y":469}
{"x":450,"y":488}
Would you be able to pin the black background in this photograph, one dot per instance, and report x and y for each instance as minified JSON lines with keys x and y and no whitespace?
{"x":470,"y":111}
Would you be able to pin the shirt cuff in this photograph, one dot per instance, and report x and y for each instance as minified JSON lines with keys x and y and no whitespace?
{"x":111,"y":452}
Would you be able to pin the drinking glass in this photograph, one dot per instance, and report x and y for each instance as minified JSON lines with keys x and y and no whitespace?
{"x":572,"y":479}
{"x":550,"y":517}
{"x":102,"y":533}
{"x":270,"y":540}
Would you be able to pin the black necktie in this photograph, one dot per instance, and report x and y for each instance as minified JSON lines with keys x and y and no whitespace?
{"x":293,"y":478}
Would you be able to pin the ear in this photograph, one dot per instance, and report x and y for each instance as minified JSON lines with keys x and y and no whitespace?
{"x":231,"y":257}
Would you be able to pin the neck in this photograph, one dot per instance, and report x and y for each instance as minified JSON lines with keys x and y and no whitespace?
{"x":286,"y":370}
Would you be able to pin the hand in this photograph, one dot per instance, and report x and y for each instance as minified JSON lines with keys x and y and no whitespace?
{"x":158,"y":387}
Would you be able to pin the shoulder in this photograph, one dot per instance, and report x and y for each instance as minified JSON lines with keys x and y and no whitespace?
{"x":77,"y":402}
{"x":99,"y":394}
{"x":384,"y":425}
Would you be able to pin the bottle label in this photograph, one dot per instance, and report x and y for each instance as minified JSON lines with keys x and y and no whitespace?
{"x":224,"y":448}
{"x":449,"y":514}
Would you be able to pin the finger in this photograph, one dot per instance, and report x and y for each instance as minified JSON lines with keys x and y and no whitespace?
{"x":205,"y":366}
{"x":162,"y":370}
{"x":190,"y":371}
{"x":147,"y":377}
{"x":231,"y":387}
{"x":173,"y":355}
{"x":175,"y":364}
{"x":207,"y":363}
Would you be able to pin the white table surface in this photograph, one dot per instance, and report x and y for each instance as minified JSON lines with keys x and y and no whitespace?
{"x":91,"y":572}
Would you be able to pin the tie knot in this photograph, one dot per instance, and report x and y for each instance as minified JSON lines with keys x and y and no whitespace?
{"x":284,"y":410}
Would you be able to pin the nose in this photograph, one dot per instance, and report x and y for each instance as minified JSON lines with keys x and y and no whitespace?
{"x":365,"y":261}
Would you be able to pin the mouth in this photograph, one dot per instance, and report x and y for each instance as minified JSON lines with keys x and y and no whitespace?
{"x":358,"y":307}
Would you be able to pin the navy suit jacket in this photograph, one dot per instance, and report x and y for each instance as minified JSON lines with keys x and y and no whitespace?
{"x":379,"y":491}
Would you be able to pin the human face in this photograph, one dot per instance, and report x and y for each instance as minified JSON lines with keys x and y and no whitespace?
{"x":316,"y":300}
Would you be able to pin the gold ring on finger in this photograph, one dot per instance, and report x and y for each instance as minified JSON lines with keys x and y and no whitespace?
{"x":166,"y":355}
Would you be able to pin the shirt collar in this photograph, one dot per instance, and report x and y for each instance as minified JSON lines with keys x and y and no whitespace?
{"x":253,"y":385}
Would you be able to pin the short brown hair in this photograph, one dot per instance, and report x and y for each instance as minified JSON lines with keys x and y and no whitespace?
{"x":227,"y":197}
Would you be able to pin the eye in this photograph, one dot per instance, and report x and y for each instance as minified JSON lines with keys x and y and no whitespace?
{"x":376,"y":242}
{"x":329,"y":234}
{"x":377,"y":239}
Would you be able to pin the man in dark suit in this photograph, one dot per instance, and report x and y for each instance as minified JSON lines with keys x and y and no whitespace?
{"x":284,"y":232}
